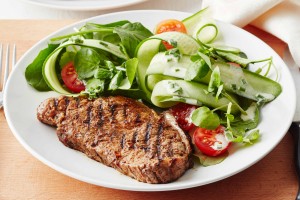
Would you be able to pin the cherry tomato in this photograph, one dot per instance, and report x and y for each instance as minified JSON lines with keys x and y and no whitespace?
{"x":70,"y":78}
{"x":168,"y":26}
{"x":182,"y":113}
{"x":211,"y":142}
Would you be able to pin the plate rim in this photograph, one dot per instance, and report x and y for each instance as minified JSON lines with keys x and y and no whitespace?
{"x":106,"y":184}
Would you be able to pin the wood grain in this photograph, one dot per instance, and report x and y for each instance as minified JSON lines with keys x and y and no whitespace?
{"x":24,"y":177}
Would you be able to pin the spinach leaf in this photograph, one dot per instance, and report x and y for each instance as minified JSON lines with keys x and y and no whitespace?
{"x":116,"y":81}
{"x":34,"y":71}
{"x":107,"y":36}
{"x":109,"y":25}
{"x":131,"y":35}
{"x":94,"y":30}
{"x":103,"y":74}
{"x":250,"y":120}
{"x":205,"y":118}
{"x":125,"y":84}
{"x":110,"y":65}
{"x":131,"y":66}
{"x":86,"y":62}
{"x":236,"y":131}
{"x":66,"y":57}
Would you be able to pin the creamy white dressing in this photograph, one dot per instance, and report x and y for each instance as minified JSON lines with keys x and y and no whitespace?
{"x":173,"y":88}
{"x":250,"y":113}
{"x":221,"y":143}
{"x":172,"y":121}
{"x":169,"y":65}
{"x":189,"y":118}
{"x":175,"y":67}
{"x":175,"y":71}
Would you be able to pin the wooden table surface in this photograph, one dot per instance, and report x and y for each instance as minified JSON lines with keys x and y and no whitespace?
{"x":24,"y":177}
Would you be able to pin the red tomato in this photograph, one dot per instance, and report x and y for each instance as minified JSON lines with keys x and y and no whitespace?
{"x":182,"y":113}
{"x":211,"y":142}
{"x":168,"y":26}
{"x":70,"y":78}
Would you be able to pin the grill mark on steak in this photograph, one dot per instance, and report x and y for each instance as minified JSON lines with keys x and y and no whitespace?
{"x":147,"y":136}
{"x":100,"y":116}
{"x":158,"y":141}
{"x":122,"y":142}
{"x":88,"y":114}
{"x":112,"y":109}
{"x":67,"y":101}
{"x":121,"y":133}
{"x":134,"y":140}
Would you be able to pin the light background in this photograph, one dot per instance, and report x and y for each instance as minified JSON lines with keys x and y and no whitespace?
{"x":21,"y":9}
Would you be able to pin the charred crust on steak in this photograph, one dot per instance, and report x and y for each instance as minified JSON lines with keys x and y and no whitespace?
{"x":121,"y":133}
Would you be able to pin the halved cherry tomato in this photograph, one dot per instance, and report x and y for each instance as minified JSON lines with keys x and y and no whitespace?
{"x":168,"y":26}
{"x":70,"y":78}
{"x":211,"y":142}
{"x":182,"y":113}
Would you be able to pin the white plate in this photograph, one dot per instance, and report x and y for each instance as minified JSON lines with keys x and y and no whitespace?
{"x":21,"y":102}
{"x":84,"y":5}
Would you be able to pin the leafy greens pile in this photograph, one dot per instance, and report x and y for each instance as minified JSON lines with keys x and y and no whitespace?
{"x":103,"y":56}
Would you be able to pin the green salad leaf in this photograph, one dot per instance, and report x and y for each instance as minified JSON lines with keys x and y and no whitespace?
{"x":131,"y":66}
{"x":238,"y":127}
{"x":205,"y":118}
{"x":86,"y":62}
{"x":66,"y":57}
{"x":34,"y":71}
{"x":131,"y":35}
{"x":116,"y":81}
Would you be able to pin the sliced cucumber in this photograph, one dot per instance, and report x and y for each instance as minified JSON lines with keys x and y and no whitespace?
{"x":236,"y":80}
{"x":145,"y":53}
{"x":150,"y":47}
{"x":248,"y":84}
{"x":169,"y":66}
{"x":161,"y":65}
{"x":167,"y":93}
{"x":186,"y":44}
{"x":49,"y":72}
{"x":201,"y":26}
{"x":106,"y":46}
{"x":232,"y":57}
{"x":152,"y":79}
{"x":223,"y":48}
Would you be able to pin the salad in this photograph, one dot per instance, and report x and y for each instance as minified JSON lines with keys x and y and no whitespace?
{"x":182,"y":66}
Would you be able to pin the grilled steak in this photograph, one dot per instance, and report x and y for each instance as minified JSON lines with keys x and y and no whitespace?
{"x":121,"y":133}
